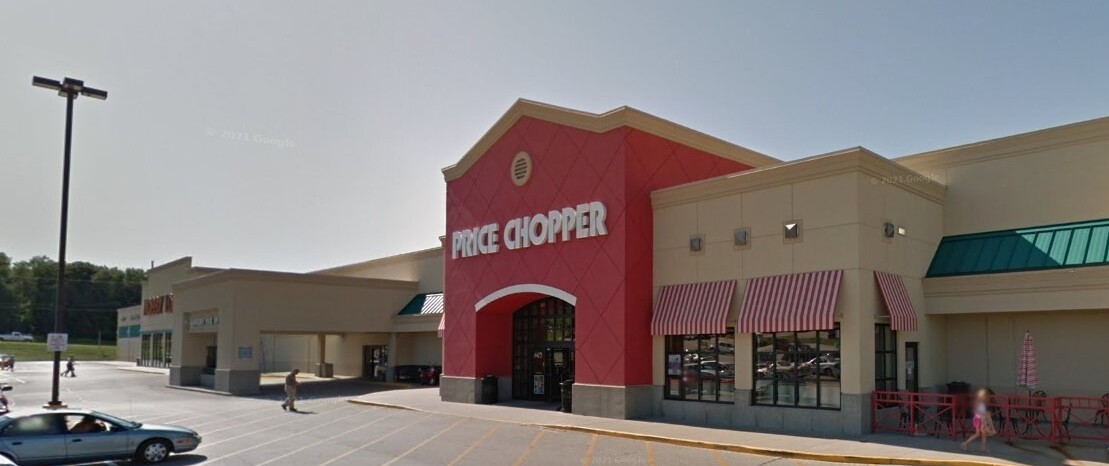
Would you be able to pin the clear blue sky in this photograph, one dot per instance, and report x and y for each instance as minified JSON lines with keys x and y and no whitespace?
{"x":372,"y":99}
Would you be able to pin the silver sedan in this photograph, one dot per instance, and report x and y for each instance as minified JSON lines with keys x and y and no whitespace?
{"x":79,"y":436}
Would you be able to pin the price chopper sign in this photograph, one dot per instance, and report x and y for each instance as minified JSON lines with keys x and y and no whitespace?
{"x":570,"y":223}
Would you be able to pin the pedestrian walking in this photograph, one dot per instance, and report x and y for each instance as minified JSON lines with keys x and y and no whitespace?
{"x":983,"y":421}
{"x":70,"y":368}
{"x":291,"y":391}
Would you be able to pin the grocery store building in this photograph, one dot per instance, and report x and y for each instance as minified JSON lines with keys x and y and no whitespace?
{"x":674,"y":275}
{"x":671,"y":274}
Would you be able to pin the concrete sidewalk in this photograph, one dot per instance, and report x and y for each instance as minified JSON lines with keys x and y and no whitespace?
{"x":870,"y":449}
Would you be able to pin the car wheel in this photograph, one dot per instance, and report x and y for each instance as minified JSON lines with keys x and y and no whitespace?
{"x":152,"y":451}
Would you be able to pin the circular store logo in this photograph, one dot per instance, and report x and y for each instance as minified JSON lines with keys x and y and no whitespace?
{"x":520,"y":169}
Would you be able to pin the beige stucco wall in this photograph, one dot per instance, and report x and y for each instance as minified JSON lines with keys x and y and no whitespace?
{"x":160,"y":281}
{"x":282,"y":353}
{"x":419,"y":348}
{"x":1069,"y":350}
{"x":345,"y":351}
{"x":1044,"y":290}
{"x":425,"y":267}
{"x":251,"y":303}
{"x":188,"y":348}
{"x":1051,"y":176}
{"x":842,"y":202}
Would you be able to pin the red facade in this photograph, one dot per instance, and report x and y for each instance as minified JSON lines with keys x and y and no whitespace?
{"x":610,"y":276}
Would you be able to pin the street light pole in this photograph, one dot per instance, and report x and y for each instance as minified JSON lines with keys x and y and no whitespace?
{"x":69,"y":88}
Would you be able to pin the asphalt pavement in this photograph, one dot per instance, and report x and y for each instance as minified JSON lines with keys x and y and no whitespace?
{"x":328,"y":430}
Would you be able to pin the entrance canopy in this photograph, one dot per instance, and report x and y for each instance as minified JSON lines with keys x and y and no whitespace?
{"x":902,"y":314}
{"x":790,"y":303}
{"x":693,"y":308}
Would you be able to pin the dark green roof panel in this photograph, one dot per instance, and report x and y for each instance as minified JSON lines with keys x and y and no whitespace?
{"x":1077,"y":244}
{"x":423,"y":304}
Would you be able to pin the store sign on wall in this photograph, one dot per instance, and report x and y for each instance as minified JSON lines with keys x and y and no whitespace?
{"x":581,"y":221}
{"x":204,"y":323}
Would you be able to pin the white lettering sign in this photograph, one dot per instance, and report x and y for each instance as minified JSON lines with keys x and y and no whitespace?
{"x":205,"y":322}
{"x":581,"y":221}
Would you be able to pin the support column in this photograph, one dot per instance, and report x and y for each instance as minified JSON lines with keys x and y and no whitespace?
{"x":390,"y":372}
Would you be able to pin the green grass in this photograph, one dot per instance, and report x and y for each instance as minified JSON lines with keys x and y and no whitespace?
{"x":36,"y":351}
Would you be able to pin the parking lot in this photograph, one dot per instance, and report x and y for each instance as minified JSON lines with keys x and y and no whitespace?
{"x":330,"y":431}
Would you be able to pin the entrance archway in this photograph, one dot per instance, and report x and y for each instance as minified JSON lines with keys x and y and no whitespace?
{"x":542,"y":349}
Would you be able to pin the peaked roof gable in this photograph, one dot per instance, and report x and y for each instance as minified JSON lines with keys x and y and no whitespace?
{"x":599,"y":123}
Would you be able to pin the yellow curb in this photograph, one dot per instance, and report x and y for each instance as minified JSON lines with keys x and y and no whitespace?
{"x":828,"y":457}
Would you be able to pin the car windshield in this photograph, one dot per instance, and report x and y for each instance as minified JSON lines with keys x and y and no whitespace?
{"x":115,"y":420}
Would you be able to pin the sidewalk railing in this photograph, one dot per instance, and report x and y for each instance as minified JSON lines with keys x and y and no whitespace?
{"x":1016,"y":417}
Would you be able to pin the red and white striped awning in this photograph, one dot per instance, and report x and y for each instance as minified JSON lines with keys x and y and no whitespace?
{"x":896,"y":296}
{"x":442,"y":325}
{"x":790,"y":303}
{"x":693,"y":308}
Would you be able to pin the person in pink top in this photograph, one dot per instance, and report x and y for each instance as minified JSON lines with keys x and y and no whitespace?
{"x":983,"y":421}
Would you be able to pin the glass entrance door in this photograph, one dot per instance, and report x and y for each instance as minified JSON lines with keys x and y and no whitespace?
{"x":542,"y":350}
{"x":375,"y":362}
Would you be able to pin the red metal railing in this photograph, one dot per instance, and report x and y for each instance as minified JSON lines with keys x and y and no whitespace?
{"x":1016,"y":417}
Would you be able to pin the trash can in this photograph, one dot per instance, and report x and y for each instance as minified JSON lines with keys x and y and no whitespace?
{"x":325,"y":370}
{"x":488,"y":390}
{"x":567,"y":395}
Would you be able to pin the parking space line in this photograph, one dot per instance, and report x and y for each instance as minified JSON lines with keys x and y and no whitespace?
{"x":299,"y":432}
{"x":383,"y":437}
{"x":588,"y":458}
{"x":527,"y":451}
{"x":650,"y":453}
{"x":250,"y":433}
{"x":221,"y":420}
{"x":425,"y":442}
{"x":329,"y":439}
{"x":264,"y":419}
{"x":245,"y":411}
{"x":719,"y":459}
{"x":474,"y":445}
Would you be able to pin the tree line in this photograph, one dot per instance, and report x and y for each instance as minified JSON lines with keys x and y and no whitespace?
{"x":93,"y":294}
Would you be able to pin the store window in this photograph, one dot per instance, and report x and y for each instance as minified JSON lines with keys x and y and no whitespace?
{"x":799,"y":369}
{"x":145,"y":356}
{"x":156,"y":349}
{"x":885,"y":358}
{"x":169,"y":348}
{"x":701,"y":367}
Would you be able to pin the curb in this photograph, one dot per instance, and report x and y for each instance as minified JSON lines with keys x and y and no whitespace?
{"x":791,"y":454}
{"x":198,"y":390}
{"x":382,"y":405}
{"x":143,"y":371}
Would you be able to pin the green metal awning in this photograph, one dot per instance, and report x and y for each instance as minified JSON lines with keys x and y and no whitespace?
{"x":1066,"y":245}
{"x":423,"y":304}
